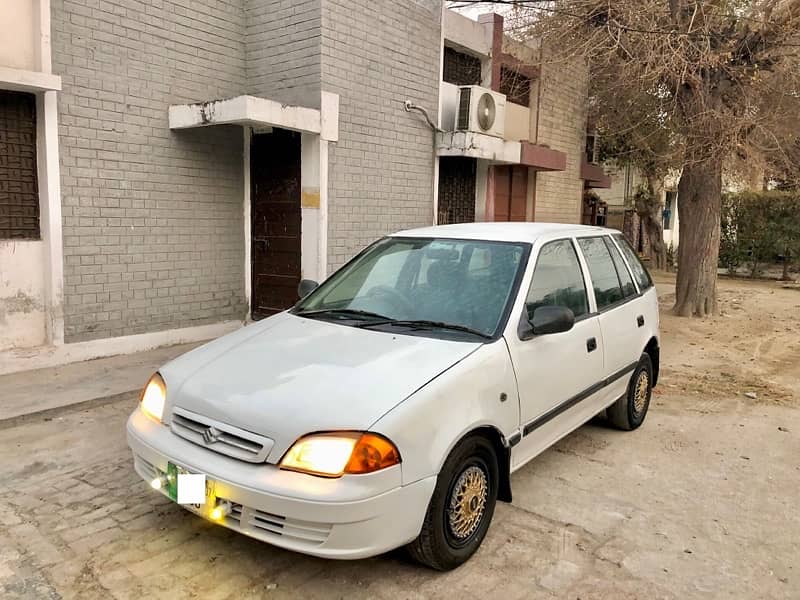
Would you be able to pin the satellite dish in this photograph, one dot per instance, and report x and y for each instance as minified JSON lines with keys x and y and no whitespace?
{"x":487,"y":111}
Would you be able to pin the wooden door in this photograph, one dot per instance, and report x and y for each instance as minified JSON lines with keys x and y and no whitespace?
{"x":275,"y":213}
{"x":510,"y":193}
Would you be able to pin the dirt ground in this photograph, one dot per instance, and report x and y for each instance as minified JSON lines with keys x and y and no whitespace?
{"x":752,"y":346}
{"x":700,"y":502}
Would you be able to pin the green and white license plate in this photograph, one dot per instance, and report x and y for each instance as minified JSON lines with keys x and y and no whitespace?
{"x":187,"y":488}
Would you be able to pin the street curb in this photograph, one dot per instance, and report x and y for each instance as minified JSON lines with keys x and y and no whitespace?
{"x":51,"y":413}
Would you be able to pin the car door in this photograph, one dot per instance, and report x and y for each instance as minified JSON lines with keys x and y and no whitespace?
{"x":618,"y":311}
{"x":555,"y":372}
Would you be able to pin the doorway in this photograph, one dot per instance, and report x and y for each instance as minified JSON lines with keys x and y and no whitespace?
{"x":275,"y":221}
{"x":457,"y":179}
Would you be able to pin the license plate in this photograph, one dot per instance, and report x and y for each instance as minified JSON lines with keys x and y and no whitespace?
{"x":190,"y":489}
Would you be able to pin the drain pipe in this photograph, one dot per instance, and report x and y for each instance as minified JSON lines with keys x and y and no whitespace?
{"x":409,"y":106}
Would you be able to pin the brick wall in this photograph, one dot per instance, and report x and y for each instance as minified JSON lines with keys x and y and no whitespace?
{"x":153,"y":225}
{"x":283,"y":50}
{"x":562,"y":126}
{"x":376,"y":54}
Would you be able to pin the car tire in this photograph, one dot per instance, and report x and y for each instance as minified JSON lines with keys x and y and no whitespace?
{"x":461,"y":507}
{"x":629,"y":412}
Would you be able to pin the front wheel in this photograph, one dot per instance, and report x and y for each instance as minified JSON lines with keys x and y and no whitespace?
{"x":629,"y":412}
{"x":461,"y":507}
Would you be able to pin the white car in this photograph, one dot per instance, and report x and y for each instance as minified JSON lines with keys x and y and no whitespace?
{"x":392,"y":403}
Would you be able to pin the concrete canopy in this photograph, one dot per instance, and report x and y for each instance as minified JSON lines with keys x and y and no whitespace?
{"x":260,"y":112}
{"x":478,"y":145}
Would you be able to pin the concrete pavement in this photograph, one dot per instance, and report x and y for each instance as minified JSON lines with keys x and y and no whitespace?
{"x":45,"y":389}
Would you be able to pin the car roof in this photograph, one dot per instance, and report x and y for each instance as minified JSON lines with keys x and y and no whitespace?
{"x":503,"y":232}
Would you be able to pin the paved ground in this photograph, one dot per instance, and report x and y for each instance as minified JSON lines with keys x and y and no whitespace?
{"x":701,"y":502}
{"x":55,"y":387}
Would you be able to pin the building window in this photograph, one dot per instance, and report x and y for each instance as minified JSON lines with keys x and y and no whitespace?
{"x":591,"y":148}
{"x":515,"y":86}
{"x":461,"y":68}
{"x":19,"y":197}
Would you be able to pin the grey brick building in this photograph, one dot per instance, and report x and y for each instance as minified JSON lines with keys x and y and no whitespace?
{"x":188,"y":161}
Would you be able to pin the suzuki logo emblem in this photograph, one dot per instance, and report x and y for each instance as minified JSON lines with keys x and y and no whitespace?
{"x":211,"y":435}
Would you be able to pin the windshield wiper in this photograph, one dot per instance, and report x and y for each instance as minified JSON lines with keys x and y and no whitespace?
{"x":424,"y":324}
{"x":342,"y":312}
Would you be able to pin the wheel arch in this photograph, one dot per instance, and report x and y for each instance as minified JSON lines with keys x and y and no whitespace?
{"x":653,"y":350}
{"x":503,"y":452}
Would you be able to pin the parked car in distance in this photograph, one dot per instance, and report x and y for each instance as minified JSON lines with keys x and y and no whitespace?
{"x":390,"y":406}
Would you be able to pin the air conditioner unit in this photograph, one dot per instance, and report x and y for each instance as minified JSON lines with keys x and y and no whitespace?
{"x":481,"y":110}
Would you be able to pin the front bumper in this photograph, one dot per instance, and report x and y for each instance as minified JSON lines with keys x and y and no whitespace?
{"x":351,"y":517}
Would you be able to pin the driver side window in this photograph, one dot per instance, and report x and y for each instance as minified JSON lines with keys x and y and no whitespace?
{"x":558,"y":280}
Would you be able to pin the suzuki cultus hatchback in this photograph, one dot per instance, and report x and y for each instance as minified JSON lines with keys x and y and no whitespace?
{"x":390,"y":406}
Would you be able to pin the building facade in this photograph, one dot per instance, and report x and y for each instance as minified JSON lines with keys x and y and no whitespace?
{"x":170,"y":170}
{"x":537,"y":169}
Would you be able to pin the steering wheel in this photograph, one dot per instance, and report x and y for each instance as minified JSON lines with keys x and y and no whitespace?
{"x":395,"y":297}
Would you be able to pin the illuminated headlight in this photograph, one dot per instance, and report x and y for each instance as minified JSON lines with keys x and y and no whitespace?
{"x":334,"y":454}
{"x":154,"y":396}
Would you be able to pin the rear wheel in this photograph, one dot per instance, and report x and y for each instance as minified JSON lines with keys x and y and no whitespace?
{"x":629,"y":412}
{"x":461,"y":507}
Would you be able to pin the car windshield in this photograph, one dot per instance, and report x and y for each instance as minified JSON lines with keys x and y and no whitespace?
{"x":420,"y":284}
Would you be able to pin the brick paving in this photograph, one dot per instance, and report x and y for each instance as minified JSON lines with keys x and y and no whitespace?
{"x":602,"y":515}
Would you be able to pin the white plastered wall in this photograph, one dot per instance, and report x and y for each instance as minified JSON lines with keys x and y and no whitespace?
{"x":18,"y":39}
{"x":31,"y":271}
{"x":311,"y":263}
{"x":22,"y":322}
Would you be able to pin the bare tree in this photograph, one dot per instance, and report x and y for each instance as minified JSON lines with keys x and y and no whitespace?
{"x":631,"y":133}
{"x":721,"y":77}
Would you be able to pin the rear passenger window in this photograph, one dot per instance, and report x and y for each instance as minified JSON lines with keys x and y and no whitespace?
{"x":558,"y":280}
{"x":628,"y":289}
{"x":639,"y":272}
{"x":607,"y":289}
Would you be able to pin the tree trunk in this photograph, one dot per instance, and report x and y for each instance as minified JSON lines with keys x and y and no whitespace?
{"x":699,"y":208}
{"x":652,"y":223}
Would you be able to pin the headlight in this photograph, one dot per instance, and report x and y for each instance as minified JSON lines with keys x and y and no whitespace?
{"x":333,"y":454}
{"x":154,"y":396}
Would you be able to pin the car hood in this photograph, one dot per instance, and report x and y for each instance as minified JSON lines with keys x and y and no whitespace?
{"x":288,"y":376}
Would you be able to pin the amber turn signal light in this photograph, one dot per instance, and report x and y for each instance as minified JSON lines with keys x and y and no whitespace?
{"x":371,"y":453}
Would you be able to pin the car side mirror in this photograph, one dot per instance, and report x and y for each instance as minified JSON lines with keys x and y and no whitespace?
{"x":547,"y":320}
{"x":305,"y":287}
{"x":552,"y":319}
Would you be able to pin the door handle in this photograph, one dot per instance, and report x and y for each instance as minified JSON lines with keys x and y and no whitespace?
{"x":640,"y":320}
{"x":591,"y":344}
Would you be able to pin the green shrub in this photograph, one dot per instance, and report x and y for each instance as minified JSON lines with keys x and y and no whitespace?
{"x":758,"y":227}
{"x":732,"y":252}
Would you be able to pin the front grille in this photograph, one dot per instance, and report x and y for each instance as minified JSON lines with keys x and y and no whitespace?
{"x":265,"y":526}
{"x":220,"y":437}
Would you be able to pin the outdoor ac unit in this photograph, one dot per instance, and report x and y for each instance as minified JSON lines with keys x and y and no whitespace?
{"x":481,"y":110}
